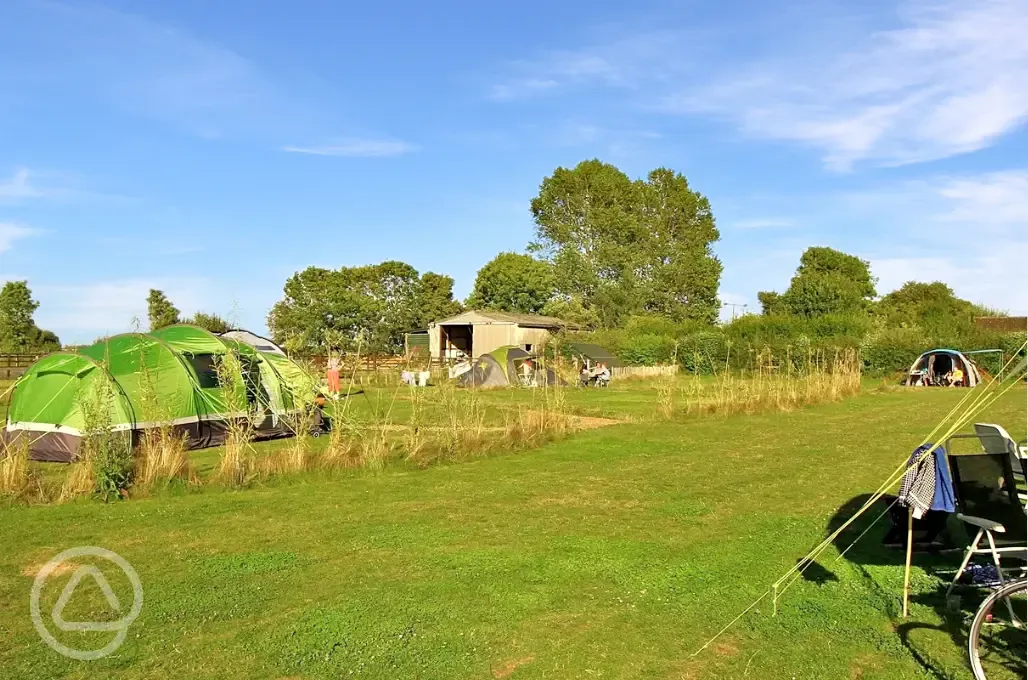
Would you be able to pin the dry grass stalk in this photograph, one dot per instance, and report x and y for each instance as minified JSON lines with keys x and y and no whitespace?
{"x":162,"y":458}
{"x":15,"y":479}
{"x":236,"y":466}
{"x":777,"y":385}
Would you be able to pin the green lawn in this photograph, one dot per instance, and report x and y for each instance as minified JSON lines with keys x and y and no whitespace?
{"x":613,"y":554}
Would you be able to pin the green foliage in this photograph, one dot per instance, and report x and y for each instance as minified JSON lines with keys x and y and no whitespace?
{"x":930,"y":306}
{"x":160,"y":311}
{"x":211,"y":322}
{"x":109,"y":452}
{"x":435,"y":299}
{"x":512,"y":282}
{"x":18,"y":331}
{"x":826,"y":282}
{"x":329,"y":309}
{"x":622,"y":247}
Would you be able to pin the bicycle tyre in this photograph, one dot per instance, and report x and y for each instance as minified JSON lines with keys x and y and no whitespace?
{"x":980,"y":618}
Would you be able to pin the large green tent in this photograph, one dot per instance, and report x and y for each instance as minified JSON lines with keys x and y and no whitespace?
{"x":144,"y":380}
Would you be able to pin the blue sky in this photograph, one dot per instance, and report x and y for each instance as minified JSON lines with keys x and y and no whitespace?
{"x":212,"y":149}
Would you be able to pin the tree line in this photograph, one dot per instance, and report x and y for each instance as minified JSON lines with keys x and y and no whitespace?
{"x":616,"y":256}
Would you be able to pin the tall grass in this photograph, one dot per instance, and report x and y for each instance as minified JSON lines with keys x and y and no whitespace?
{"x":775,"y":384}
{"x":14,"y":468}
{"x":161,"y":455}
{"x":236,"y":466}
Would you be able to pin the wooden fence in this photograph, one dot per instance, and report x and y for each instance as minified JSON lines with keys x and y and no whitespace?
{"x":643,"y":371}
{"x":13,"y":365}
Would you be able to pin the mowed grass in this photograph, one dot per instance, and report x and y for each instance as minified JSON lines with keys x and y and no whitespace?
{"x":613,"y":554}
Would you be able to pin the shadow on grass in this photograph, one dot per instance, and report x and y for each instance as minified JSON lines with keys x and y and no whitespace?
{"x":937,"y":549}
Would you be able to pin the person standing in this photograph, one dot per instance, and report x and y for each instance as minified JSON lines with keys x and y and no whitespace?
{"x":332,"y":374}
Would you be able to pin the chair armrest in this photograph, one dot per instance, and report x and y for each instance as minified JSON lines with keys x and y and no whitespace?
{"x":981,"y":523}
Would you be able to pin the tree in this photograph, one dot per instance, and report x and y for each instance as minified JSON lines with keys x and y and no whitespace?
{"x":211,"y":322}
{"x":160,"y":310}
{"x":324,"y":308}
{"x":623,"y":247}
{"x":826,"y":282}
{"x":435,"y":299}
{"x":512,"y":282}
{"x":930,"y":306}
{"x":18,"y":331}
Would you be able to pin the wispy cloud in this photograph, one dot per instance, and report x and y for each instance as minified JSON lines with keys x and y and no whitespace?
{"x":11,"y":232}
{"x":357,"y":147}
{"x":83,"y":311}
{"x":622,"y":63}
{"x":970,"y":232}
{"x":18,"y":187}
{"x":949,"y":80}
{"x":97,"y":56}
{"x":934,"y":79}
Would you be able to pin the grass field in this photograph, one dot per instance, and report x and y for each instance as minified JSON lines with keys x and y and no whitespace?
{"x":613,"y":554}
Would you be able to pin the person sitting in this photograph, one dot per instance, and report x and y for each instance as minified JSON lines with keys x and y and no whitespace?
{"x":956,"y":378}
{"x":603,"y":377}
{"x":585,"y":376}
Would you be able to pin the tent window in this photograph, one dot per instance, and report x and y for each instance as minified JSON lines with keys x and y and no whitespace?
{"x":205,"y":368}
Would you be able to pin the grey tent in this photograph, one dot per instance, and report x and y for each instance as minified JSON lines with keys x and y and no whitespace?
{"x":932,"y":367}
{"x":504,"y":366}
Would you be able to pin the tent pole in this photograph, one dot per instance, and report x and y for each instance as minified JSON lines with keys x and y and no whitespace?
{"x":906,"y":568}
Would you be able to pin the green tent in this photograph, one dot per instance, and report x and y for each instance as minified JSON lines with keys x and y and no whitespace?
{"x":146,"y":380}
{"x":504,"y":366}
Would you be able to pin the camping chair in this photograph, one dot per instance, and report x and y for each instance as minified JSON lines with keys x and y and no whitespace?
{"x":987,"y":500}
{"x":996,"y":440}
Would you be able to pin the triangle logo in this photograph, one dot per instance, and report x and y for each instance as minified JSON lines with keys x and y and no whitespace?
{"x":69,"y":589}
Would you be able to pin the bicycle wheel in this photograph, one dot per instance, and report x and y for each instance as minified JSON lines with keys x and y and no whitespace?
{"x":997,"y":643}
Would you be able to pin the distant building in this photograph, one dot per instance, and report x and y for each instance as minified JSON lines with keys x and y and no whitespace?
{"x":474,"y":333}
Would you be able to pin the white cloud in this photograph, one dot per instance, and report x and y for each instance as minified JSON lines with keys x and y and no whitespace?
{"x":970,"y":232}
{"x":951,"y":79}
{"x":10,"y":232}
{"x":18,"y":187}
{"x":82,"y":312}
{"x":996,"y":280}
{"x":938,"y":78}
{"x":357,"y":147}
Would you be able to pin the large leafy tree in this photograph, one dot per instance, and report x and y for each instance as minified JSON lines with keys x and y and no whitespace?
{"x":512,"y":282}
{"x":826,"y":282}
{"x":620,"y":246}
{"x":435,"y":299}
{"x":159,"y":310}
{"x":930,"y":306}
{"x":18,"y":330}
{"x":371,"y":306}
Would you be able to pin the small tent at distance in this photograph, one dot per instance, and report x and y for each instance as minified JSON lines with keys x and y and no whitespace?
{"x":506,"y":366}
{"x":135,"y":381}
{"x":937,"y":366}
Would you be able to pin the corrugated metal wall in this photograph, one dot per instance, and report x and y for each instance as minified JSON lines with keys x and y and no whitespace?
{"x":488,"y":337}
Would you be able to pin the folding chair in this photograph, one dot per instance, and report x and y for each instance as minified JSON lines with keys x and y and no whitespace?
{"x":994,"y":439}
{"x":987,"y":499}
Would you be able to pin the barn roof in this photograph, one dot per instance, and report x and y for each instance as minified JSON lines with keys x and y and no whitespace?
{"x":487,"y":316}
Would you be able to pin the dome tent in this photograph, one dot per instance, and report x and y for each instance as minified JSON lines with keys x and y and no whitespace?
{"x":167,"y":376}
{"x":501,"y":368}
{"x":932,"y":367}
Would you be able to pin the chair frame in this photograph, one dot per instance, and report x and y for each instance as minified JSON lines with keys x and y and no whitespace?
{"x":986,"y":529}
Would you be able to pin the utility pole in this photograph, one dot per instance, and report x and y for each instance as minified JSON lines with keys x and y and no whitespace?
{"x":734,"y":306}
